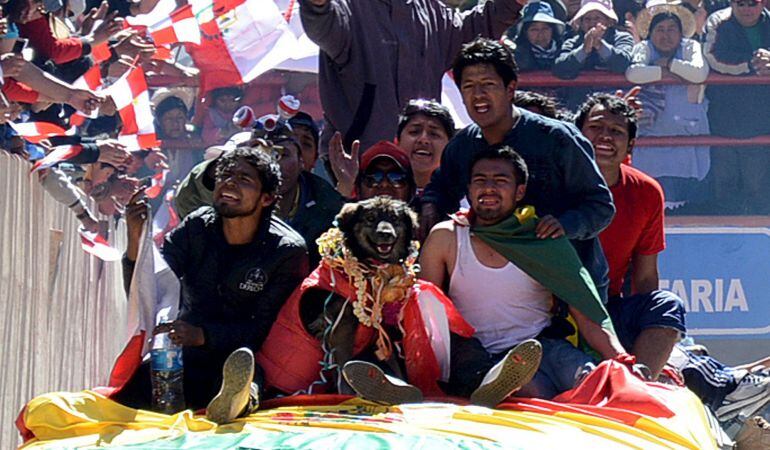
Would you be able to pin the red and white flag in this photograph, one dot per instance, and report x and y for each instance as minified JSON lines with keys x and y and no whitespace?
{"x":154,"y":292}
{"x":156,"y":184}
{"x":91,"y":80}
{"x":165,"y":220}
{"x":133,"y":103}
{"x":58,"y":154}
{"x":162,"y":10}
{"x":35,"y":132}
{"x":241,"y":39}
{"x":96,"y":245}
{"x":179,"y":26}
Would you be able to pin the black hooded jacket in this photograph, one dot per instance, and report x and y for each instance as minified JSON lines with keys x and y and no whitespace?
{"x":233,"y":292}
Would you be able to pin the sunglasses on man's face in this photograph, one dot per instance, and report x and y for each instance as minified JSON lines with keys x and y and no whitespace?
{"x":746,"y":3}
{"x":376,"y":178}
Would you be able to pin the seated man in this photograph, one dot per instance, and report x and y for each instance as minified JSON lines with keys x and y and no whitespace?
{"x":650,"y":321}
{"x":305,"y":201}
{"x":502,"y":279}
{"x":237,"y":265}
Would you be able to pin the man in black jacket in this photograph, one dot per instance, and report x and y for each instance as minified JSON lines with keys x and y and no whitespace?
{"x":237,"y":264}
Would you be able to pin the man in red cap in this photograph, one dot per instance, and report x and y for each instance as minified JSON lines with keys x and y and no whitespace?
{"x":385,"y":170}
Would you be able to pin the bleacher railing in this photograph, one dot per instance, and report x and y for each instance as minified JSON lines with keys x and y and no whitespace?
{"x":598,"y":79}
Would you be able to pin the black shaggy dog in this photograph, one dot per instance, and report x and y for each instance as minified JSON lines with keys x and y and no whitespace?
{"x":377,"y":231}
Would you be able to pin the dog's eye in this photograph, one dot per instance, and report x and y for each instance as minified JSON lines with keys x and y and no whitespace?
{"x":370,"y":217}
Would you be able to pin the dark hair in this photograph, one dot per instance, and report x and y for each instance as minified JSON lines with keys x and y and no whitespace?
{"x":504,"y":153}
{"x":229,"y":90}
{"x":14,"y":8}
{"x":429,"y":108}
{"x":614,"y":104}
{"x":528,"y":99}
{"x":660,"y":17}
{"x":168,"y":104}
{"x":628,"y":6}
{"x":486,"y":51}
{"x":303,"y":119}
{"x":268,"y":171}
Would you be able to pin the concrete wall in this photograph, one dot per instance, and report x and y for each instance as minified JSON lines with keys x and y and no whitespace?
{"x":62,"y":311}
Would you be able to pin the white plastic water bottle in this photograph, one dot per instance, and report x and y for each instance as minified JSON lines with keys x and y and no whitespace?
{"x":167,"y":375}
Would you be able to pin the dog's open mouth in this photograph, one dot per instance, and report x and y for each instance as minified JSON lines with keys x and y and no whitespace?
{"x":384,"y":249}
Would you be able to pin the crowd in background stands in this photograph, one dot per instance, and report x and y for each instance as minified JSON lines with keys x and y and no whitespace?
{"x":683,"y":40}
{"x":380,"y":136}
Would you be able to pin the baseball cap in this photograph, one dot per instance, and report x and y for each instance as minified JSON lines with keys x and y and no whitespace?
{"x":385,"y":149}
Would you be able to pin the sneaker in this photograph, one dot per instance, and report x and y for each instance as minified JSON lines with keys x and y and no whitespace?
{"x":509,"y":375}
{"x":751,"y":395}
{"x":236,"y":393}
{"x":755,"y":435}
{"x":371,"y":383}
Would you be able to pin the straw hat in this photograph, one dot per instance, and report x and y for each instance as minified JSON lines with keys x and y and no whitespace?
{"x":655,"y":7}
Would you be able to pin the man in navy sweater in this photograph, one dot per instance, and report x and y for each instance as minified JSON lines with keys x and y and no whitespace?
{"x":565,"y":187}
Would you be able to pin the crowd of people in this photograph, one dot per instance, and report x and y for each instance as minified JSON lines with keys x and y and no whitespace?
{"x":539,"y":220}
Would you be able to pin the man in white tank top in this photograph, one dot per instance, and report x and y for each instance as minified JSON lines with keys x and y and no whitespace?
{"x":504,"y":304}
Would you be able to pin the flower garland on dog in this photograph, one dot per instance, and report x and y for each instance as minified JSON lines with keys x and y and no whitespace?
{"x":375,"y":285}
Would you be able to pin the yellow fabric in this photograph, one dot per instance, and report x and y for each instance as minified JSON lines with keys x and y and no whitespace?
{"x":86,"y":418}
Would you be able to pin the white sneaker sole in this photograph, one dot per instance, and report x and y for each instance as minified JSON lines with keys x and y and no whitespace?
{"x":233,"y":396}
{"x":370,"y":383}
{"x":519,"y":366}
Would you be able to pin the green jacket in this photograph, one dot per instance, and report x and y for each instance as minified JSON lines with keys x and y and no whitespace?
{"x":195,"y":190}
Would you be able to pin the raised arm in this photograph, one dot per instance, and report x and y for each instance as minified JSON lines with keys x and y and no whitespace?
{"x":328,"y":24}
{"x":617,"y":54}
{"x":488,"y":19}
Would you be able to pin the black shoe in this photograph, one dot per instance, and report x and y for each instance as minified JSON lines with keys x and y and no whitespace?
{"x":371,"y":383}
{"x":236,"y":394}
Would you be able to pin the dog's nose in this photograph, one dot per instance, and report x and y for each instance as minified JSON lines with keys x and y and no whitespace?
{"x":385,"y":228}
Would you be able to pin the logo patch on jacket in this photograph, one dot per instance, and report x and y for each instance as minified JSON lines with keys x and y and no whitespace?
{"x":255,"y":280}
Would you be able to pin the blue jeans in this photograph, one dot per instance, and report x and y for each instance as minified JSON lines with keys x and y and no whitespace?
{"x":470,"y":362}
{"x":561,"y":361}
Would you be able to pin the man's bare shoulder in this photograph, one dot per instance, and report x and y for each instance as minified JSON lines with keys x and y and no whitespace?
{"x":443,"y":231}
{"x":441,"y":238}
